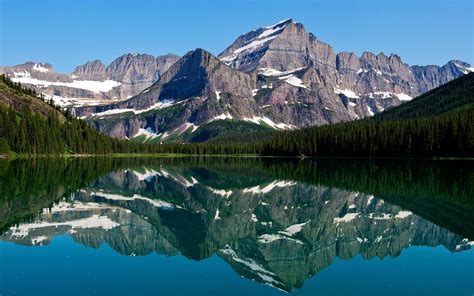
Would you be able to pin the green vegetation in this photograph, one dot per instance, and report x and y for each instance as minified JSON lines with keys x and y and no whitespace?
{"x":450,"y":134}
{"x":219,"y":130}
{"x":36,"y":134}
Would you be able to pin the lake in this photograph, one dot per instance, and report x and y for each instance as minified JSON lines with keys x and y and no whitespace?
{"x":236,"y":226}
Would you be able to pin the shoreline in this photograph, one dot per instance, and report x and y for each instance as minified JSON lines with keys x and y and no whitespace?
{"x":178,"y":155}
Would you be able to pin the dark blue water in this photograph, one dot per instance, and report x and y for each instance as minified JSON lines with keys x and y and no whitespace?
{"x":68,"y":268}
{"x":239,"y":228}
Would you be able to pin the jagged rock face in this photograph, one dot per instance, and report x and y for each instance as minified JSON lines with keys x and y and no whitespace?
{"x":277,"y":232}
{"x":93,"y":83}
{"x":199,"y":73}
{"x":139,"y":68}
{"x":94,"y":70}
{"x":138,"y":71}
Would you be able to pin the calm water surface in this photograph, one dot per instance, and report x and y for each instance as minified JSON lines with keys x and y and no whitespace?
{"x":223,"y":226}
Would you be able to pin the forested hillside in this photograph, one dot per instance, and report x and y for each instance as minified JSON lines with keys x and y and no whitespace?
{"x":30,"y":125}
{"x":454,"y":94}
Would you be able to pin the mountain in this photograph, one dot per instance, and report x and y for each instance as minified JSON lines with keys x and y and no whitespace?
{"x":93,"y":82}
{"x":195,"y":91}
{"x":286,"y":46}
{"x":278,"y":77}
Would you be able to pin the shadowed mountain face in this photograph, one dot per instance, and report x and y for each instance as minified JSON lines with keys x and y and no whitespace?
{"x":272,"y":226}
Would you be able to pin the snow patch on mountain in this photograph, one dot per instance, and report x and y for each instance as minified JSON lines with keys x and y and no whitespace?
{"x":223,"y":116}
{"x":293,"y":80}
{"x":268,"y":121}
{"x":156,"y":106}
{"x":404,"y":97}
{"x":39,"y":68}
{"x":269,"y":72}
{"x":369,"y":109}
{"x":287,"y":76}
{"x":147,"y":132}
{"x":346,"y":92}
{"x":381,"y":94}
{"x":24,"y":77}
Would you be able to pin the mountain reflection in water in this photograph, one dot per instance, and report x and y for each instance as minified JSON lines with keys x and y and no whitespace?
{"x":278,"y":222}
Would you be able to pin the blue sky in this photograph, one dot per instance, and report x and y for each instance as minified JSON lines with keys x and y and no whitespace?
{"x":69,"y":32}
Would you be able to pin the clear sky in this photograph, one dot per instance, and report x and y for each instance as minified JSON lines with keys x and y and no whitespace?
{"x":67,"y":33}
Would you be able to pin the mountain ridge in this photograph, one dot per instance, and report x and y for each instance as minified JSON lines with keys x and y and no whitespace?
{"x":93,"y":82}
{"x":280,"y":76}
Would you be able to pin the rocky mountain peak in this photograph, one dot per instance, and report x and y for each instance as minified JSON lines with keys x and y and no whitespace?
{"x":245,"y":52}
{"x":131,"y":67}
{"x":199,"y":72}
{"x":460,"y":66}
{"x":92,"y":70}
